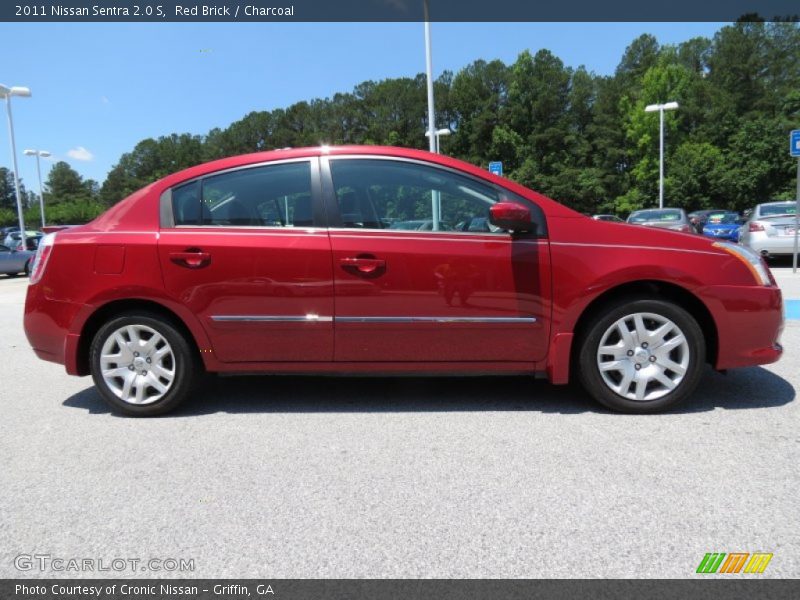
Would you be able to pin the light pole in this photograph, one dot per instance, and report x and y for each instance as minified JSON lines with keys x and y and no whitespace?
{"x":661,"y":108}
{"x":431,"y":114}
{"x":7,"y":92}
{"x":437,"y":134}
{"x":37,"y":154}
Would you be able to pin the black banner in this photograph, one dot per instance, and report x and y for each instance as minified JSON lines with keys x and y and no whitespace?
{"x":393,"y":10}
{"x":745,"y":587}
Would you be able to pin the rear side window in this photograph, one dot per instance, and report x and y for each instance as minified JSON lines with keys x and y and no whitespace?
{"x":268,"y":196}
{"x":186,"y":204}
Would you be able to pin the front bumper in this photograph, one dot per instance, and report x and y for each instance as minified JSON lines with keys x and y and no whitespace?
{"x":749,"y":324}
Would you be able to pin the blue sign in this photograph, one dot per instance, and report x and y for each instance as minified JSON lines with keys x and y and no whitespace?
{"x":794,"y":144}
{"x":496,"y":167}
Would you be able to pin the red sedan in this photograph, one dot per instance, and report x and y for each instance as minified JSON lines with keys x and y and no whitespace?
{"x":386,"y":260}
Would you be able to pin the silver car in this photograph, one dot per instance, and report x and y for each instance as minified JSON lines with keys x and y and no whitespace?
{"x":666,"y":218}
{"x":14,"y":262}
{"x":770,"y":230}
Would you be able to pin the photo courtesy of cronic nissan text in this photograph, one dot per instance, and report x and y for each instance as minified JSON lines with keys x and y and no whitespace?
{"x":399,"y":299}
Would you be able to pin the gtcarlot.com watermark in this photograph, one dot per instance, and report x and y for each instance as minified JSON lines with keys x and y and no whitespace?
{"x":60,"y":564}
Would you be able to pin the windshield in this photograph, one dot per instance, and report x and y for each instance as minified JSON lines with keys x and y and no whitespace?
{"x":643,"y":216}
{"x":778,"y":209}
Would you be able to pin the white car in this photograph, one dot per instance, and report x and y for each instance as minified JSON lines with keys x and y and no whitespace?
{"x":770,"y":230}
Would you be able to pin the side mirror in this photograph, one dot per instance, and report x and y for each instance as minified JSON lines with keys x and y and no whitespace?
{"x":511,"y":217}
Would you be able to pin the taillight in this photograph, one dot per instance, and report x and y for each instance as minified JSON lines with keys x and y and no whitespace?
{"x":683,"y":228}
{"x":755,"y":226}
{"x":43,"y":253}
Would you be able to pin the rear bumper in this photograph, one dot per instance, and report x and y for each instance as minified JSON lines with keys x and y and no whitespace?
{"x":771,"y":245}
{"x":749,"y":324}
{"x":47,"y":327}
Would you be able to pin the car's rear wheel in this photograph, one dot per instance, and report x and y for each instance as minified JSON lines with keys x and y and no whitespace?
{"x":28,"y":269}
{"x":641,"y":355}
{"x":142,"y":364}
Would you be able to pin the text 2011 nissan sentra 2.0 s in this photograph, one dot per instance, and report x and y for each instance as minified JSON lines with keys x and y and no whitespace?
{"x":293,"y":262}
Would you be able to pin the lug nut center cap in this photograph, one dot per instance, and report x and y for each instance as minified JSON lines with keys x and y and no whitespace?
{"x":139,"y":363}
{"x":641,"y":355}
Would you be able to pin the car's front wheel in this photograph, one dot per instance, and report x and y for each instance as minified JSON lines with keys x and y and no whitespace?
{"x":142,"y":364}
{"x":641,"y":355}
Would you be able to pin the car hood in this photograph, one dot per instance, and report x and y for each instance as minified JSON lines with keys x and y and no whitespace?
{"x":584,"y":230}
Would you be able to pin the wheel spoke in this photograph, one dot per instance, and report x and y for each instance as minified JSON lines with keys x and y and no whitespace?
{"x":126,"y":386}
{"x":617,"y":351}
{"x":625,"y":334}
{"x":153,"y":381}
{"x":625,"y":385}
{"x":151,"y":344}
{"x":671,"y":365}
{"x":661,"y":377}
{"x":641,"y":388}
{"x":140,"y":386}
{"x":671,"y":344}
{"x":159,"y":371}
{"x":614,"y":365}
{"x":641,"y":330}
{"x":116,"y":372}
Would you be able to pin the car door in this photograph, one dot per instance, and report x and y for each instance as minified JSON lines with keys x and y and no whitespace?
{"x":246,"y":250}
{"x":421,"y":276}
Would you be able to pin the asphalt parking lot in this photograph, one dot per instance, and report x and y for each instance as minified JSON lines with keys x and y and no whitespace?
{"x":358,"y":477}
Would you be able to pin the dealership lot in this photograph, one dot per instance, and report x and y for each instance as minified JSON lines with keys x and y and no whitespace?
{"x":359,"y":477}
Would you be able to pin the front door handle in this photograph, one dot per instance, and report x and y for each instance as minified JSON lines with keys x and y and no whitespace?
{"x":191,"y":258}
{"x":362,"y":264}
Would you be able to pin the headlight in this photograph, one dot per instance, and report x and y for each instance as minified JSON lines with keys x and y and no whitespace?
{"x":751,"y":260}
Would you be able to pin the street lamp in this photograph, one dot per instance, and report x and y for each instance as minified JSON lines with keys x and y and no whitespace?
{"x":432,"y":139}
{"x":37,"y":154}
{"x":7,"y":92}
{"x":661,"y":108}
{"x":437,"y":134}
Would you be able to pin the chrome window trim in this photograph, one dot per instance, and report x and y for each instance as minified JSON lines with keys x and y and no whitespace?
{"x":463,"y":236}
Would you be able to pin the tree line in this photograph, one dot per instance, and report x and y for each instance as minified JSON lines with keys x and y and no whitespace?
{"x":578,"y":137}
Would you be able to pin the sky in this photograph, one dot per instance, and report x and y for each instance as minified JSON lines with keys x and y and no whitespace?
{"x":98,"y":89}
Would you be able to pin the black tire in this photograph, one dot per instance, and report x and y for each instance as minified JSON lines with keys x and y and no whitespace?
{"x":589,"y":344}
{"x":183,"y":361}
{"x":28,"y":269}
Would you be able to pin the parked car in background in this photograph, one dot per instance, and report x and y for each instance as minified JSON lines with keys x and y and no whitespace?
{"x":613,"y":218}
{"x":770,"y":229}
{"x":190,"y":276}
{"x":666,"y":218}
{"x":698,"y":218}
{"x":14,"y":240}
{"x":723,"y":226}
{"x":13,"y":262}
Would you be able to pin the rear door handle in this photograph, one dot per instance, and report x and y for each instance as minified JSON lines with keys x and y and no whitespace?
{"x":367,"y":266}
{"x":191,"y":258}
